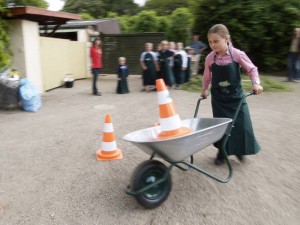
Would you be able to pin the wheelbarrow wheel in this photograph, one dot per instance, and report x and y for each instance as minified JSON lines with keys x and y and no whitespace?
{"x":144,"y":175}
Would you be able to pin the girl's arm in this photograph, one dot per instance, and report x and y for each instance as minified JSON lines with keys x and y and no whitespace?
{"x":252,"y":72}
{"x":206,"y":79}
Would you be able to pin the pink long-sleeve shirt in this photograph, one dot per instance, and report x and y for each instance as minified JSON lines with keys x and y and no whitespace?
{"x":238,"y":56}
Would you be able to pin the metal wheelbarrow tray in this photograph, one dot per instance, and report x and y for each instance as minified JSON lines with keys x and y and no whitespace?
{"x":151,"y":181}
{"x":205,"y":131}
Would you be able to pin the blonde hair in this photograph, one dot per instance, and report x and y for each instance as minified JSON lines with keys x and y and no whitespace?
{"x":221,"y":30}
{"x":164,"y":42}
{"x":149,"y":44}
{"x":122,"y":59}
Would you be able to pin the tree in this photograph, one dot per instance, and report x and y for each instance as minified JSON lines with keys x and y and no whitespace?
{"x":5,"y":53}
{"x":180,"y":25}
{"x":146,"y":21}
{"x":257,"y":27}
{"x":94,"y":8}
{"x":36,"y":3}
{"x":163,"y":24}
{"x":100,"y":8}
{"x":165,"y":7}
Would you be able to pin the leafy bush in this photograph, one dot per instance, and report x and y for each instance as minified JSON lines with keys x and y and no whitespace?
{"x":260,"y":28}
{"x":5,"y":52}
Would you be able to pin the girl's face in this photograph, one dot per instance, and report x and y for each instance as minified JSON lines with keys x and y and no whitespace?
{"x":148,"y":47}
{"x":122,"y":62}
{"x":98,"y":43}
{"x":217,"y":43}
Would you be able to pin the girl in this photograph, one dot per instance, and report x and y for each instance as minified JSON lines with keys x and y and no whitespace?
{"x":148,"y":61}
{"x":180,"y":65}
{"x":122,"y":74}
{"x":222,"y":72}
{"x":96,"y":61}
{"x":164,"y":67}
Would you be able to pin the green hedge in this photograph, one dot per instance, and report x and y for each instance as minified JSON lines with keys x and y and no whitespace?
{"x":263,"y":29}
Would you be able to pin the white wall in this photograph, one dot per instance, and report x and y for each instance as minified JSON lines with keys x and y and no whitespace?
{"x":26,"y":50}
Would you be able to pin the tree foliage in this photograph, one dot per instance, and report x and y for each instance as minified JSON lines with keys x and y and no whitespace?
{"x":100,"y":8}
{"x":36,"y":3}
{"x":260,"y":28}
{"x":165,"y":7}
{"x":180,"y":25}
{"x":146,"y":21}
{"x":5,"y":53}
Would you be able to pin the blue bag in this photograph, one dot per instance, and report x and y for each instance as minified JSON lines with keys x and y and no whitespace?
{"x":29,"y":96}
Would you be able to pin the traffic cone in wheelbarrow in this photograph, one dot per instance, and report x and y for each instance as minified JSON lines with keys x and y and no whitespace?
{"x":170,"y":121}
{"x":109,"y":150}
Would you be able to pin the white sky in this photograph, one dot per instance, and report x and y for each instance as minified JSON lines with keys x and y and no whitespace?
{"x":56,"y":5}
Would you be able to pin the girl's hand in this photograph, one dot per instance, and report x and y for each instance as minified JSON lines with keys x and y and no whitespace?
{"x":145,"y":68}
{"x":119,"y":78}
{"x":204,"y":94}
{"x":257,"y":89}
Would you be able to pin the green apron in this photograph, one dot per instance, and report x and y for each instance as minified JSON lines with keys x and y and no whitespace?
{"x":226,"y":94}
{"x":122,"y":87}
{"x":149,"y":75}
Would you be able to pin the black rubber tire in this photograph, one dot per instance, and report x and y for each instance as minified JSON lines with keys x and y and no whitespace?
{"x":145,"y":174}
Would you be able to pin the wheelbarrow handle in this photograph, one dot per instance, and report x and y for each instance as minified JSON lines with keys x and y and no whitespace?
{"x":198,"y":105}
{"x":202,"y":98}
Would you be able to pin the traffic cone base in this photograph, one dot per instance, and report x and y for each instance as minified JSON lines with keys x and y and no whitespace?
{"x":174,"y":133}
{"x":109,"y":150}
{"x":107,"y":156}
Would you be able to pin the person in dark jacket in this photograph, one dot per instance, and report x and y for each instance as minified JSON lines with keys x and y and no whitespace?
{"x":122,"y":75}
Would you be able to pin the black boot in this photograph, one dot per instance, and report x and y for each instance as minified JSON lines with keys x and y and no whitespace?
{"x":219,"y":159}
{"x":241,"y":158}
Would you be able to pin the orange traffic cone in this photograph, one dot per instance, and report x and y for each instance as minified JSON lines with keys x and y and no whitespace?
{"x":109,"y":150}
{"x":170,"y":121}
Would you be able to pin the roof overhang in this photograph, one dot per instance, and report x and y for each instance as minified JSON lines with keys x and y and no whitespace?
{"x":42,"y":16}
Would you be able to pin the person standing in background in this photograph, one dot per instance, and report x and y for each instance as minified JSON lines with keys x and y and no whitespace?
{"x":164,"y":67}
{"x":96,"y":63}
{"x":180,"y":65}
{"x":148,"y":61}
{"x":122,"y":75}
{"x":294,"y":57}
{"x":198,"y":47}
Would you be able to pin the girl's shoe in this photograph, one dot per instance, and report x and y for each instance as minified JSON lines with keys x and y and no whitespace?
{"x":219,"y":159}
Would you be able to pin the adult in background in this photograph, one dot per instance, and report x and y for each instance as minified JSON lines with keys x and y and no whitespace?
{"x":198,"y":47}
{"x":96,"y":63}
{"x":293,"y":57}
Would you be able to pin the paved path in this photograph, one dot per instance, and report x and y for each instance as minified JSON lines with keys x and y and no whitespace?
{"x":49,"y":174}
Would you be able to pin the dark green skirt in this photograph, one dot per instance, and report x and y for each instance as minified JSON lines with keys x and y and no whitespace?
{"x":122,"y":87}
{"x":242,"y":140}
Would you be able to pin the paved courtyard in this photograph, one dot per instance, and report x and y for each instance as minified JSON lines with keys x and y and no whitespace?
{"x":49,"y":173}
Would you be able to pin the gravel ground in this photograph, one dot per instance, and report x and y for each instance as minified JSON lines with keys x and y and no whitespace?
{"x":49,"y":173}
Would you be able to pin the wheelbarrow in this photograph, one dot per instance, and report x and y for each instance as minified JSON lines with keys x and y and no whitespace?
{"x":151,"y":181}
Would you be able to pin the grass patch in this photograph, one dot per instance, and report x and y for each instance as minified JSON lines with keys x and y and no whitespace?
{"x":269,"y":84}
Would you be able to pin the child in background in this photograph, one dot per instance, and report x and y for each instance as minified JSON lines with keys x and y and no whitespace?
{"x":164,"y":68}
{"x":222,"y":71}
{"x":172,"y":48}
{"x":190,"y":52}
{"x":180,"y":65}
{"x":148,"y":61}
{"x":122,"y":74}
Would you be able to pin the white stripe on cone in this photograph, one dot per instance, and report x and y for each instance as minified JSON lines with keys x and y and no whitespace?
{"x":164,"y":97}
{"x":108,"y":128}
{"x":109,"y":146}
{"x":170,"y":123}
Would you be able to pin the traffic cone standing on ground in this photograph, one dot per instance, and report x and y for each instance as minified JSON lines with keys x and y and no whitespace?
{"x":109,"y":150}
{"x":170,"y":121}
